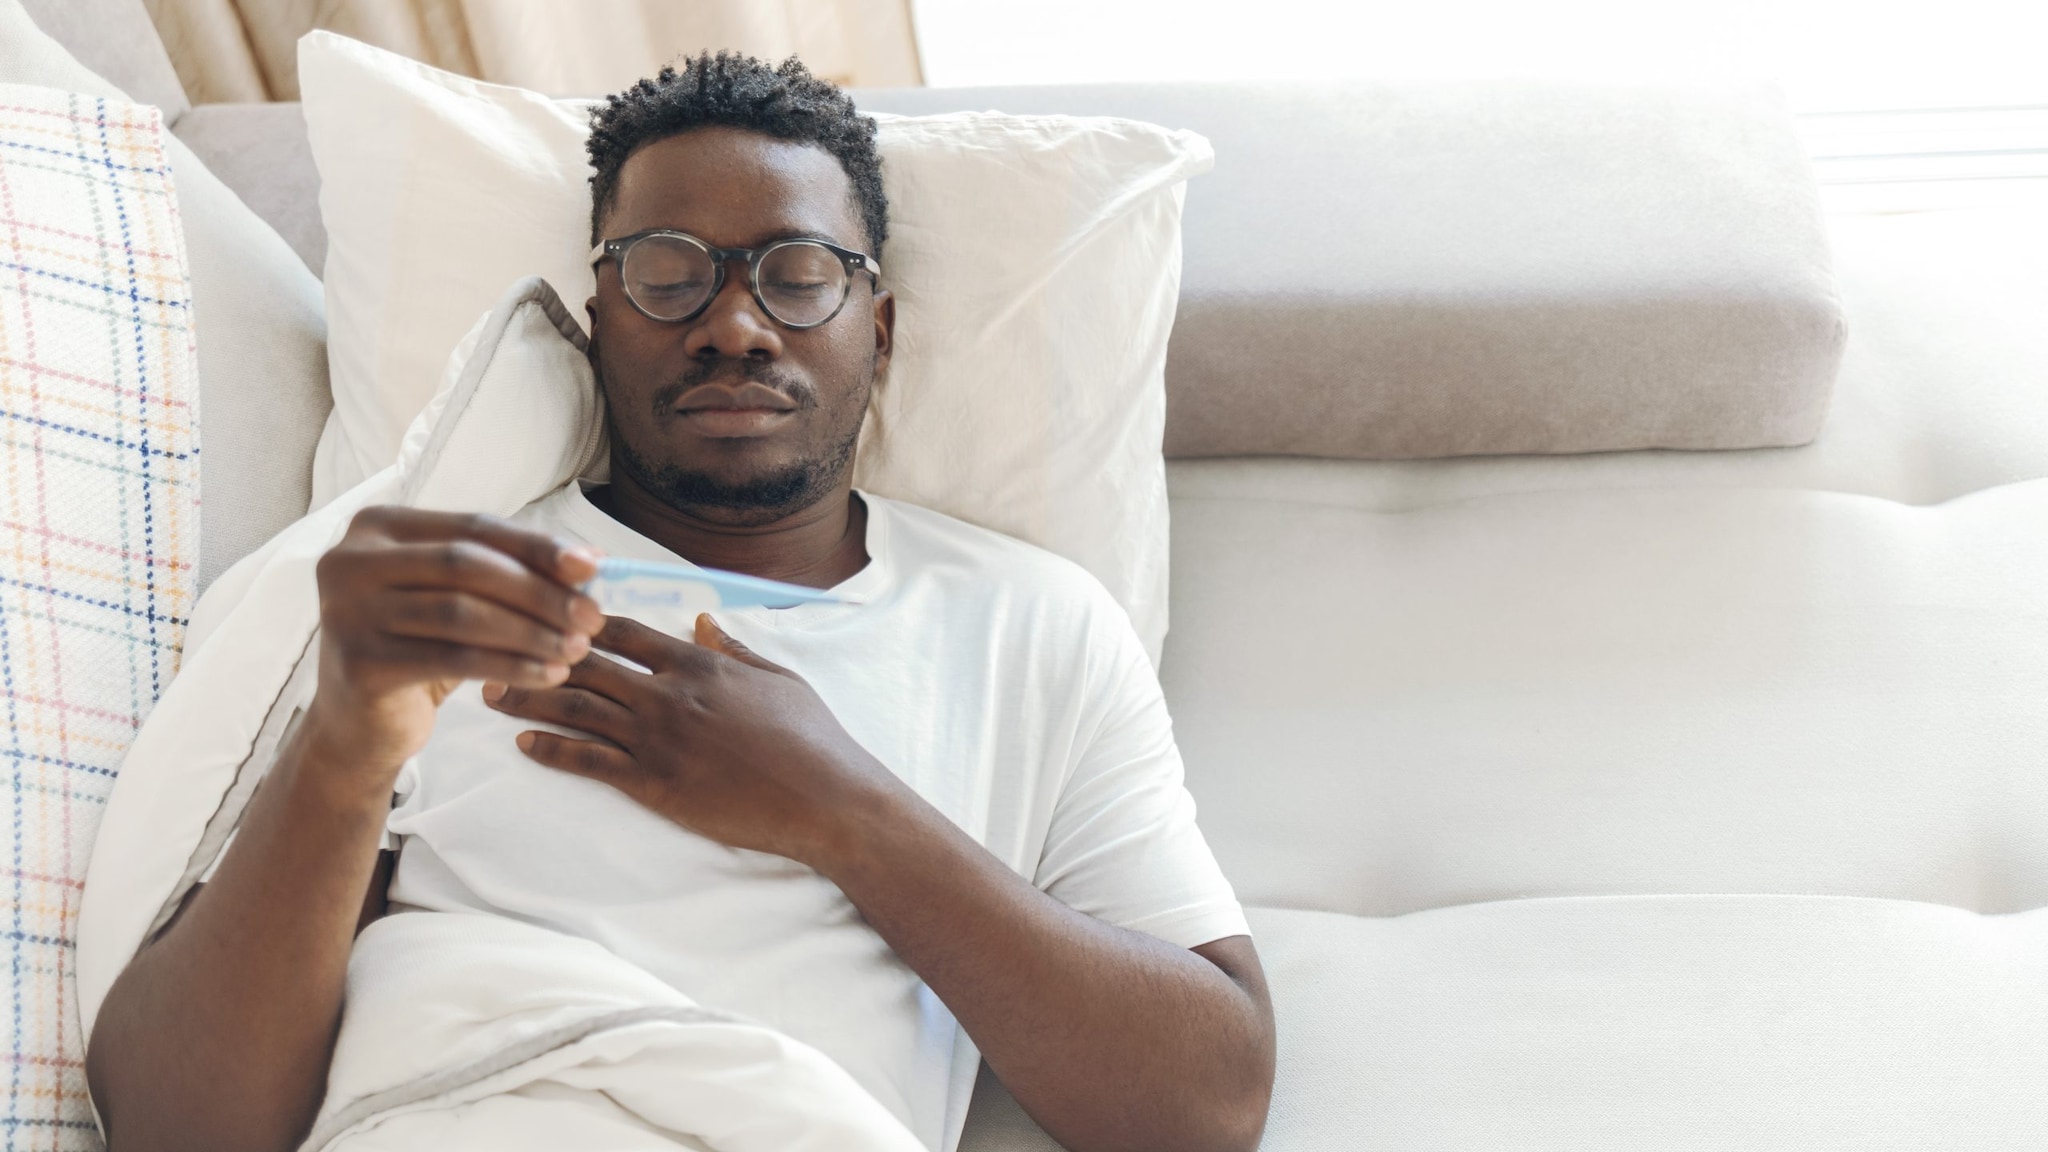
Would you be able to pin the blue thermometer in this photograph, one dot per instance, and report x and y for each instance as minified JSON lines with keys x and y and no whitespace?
{"x":622,"y":587}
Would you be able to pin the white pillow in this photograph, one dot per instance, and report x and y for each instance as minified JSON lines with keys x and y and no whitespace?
{"x":1035,"y":261}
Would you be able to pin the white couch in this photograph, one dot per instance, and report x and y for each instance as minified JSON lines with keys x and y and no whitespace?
{"x":1640,"y":799}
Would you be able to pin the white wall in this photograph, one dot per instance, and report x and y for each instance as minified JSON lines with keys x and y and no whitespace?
{"x":1830,"y":54}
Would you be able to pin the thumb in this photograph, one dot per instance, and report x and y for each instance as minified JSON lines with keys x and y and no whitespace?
{"x":710,"y":635}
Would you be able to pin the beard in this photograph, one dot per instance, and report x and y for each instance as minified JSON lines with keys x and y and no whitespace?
{"x":753,"y":500}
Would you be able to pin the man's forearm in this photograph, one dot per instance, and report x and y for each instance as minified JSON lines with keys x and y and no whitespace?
{"x":218,"y":1035}
{"x":1109,"y":1038}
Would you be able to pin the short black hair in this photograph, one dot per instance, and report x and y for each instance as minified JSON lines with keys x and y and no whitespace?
{"x":783,"y":100}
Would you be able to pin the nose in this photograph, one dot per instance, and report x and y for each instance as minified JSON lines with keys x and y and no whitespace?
{"x":733,"y":325}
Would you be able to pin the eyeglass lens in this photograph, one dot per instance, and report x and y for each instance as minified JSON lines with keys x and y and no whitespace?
{"x":801,"y":283}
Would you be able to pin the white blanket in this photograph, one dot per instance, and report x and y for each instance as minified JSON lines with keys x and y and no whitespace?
{"x":459,"y":1031}
{"x":479,"y":1032}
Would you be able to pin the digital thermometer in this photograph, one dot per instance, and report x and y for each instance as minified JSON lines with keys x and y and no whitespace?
{"x":623,"y":587}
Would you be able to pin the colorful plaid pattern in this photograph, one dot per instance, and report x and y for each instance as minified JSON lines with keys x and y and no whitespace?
{"x":99,"y":535}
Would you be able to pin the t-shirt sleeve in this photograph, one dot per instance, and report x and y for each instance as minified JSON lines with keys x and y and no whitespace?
{"x":1123,"y":845}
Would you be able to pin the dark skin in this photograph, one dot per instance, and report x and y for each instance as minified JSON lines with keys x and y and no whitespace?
{"x":1109,"y":1038}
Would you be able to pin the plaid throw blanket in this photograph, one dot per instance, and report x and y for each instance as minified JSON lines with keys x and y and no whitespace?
{"x":99,"y":536}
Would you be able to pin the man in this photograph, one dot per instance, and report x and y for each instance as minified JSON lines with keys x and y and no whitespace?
{"x":957,"y":800}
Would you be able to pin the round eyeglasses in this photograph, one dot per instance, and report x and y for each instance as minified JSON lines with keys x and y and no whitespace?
{"x":673,"y":276}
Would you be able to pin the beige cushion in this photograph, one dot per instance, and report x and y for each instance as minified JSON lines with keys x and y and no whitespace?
{"x":1403,"y":270}
{"x":1940,"y":393}
{"x":258,"y":319}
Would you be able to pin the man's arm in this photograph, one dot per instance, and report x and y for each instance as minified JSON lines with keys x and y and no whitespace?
{"x":1109,"y":1038}
{"x":218,"y":1035}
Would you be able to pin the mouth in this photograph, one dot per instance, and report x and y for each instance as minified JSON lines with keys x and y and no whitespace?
{"x":735,"y":411}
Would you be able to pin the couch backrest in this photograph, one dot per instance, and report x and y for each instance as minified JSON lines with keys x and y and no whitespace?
{"x":116,"y":39}
{"x":1402,"y":270}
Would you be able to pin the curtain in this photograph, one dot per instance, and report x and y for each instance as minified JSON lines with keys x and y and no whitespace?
{"x":246,"y":50}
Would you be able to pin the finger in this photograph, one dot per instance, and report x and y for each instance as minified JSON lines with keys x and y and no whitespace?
{"x":463,"y":618}
{"x":711,"y":636}
{"x":418,"y":660}
{"x":475,"y":567}
{"x":564,"y":706}
{"x":591,"y":758}
{"x":657,"y":651}
{"x":565,"y":561}
{"x":608,"y":678}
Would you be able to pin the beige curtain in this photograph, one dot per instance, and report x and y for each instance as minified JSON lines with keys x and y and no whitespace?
{"x":246,"y":50}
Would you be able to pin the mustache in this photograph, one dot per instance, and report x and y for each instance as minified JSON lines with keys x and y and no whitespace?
{"x":729,"y":371}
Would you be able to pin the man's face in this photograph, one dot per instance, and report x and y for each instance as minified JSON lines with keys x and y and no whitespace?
{"x":729,"y":416}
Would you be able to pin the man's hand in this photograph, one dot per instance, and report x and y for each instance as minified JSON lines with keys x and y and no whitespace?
{"x":413,"y":603}
{"x":712,"y":736}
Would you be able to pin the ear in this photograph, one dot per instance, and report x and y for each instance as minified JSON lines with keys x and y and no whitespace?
{"x":885,"y":328}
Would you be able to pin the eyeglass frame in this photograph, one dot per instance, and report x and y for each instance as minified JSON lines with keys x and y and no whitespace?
{"x":853,"y":262}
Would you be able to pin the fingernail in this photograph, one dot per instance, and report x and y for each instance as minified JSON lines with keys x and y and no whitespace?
{"x":525,"y":741}
{"x":493,"y":691}
{"x":575,"y":646}
{"x":585,"y":613}
{"x":581,"y":552}
{"x":556,"y":673}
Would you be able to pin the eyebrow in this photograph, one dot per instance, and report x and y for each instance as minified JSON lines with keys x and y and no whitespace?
{"x":800,"y":235}
{"x":771,"y":238}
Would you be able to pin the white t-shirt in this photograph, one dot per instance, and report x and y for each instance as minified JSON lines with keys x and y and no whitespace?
{"x":1000,"y":681}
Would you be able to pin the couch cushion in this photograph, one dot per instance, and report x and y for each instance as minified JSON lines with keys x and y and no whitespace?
{"x":1665,"y":1022}
{"x":1585,"y":1024}
{"x":99,"y":540}
{"x":1617,"y":692}
{"x":260,"y":329}
{"x":1940,"y":393}
{"x":1402,"y":270}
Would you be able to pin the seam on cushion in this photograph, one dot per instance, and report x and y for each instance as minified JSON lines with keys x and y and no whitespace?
{"x":1618,"y":897}
{"x":527,"y":290}
{"x":1476,"y":498}
{"x":227,"y":815}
